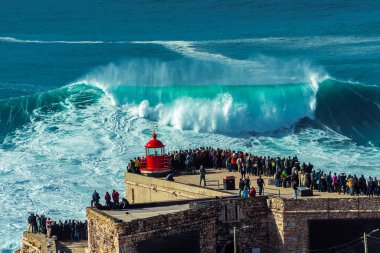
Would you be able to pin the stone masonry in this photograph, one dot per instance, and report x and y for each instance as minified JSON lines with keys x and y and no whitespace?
{"x":275,"y":224}
{"x":214,"y":220}
{"x":288,"y":218}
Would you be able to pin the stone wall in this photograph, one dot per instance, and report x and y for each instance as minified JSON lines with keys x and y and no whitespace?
{"x":289,"y":219}
{"x":214,"y":219}
{"x":253,"y":212}
{"x":142,"y":189}
{"x":103,"y":231}
{"x":37,"y":243}
{"x":170,"y":224}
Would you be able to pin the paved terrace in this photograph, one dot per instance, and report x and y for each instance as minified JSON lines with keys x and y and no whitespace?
{"x":146,"y":211}
{"x":213,"y":176}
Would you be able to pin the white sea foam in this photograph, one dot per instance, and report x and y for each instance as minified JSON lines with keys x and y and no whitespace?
{"x":222,"y":114}
{"x":301,"y":42}
{"x":203,"y":68}
{"x":16,"y":40}
{"x":305,"y":41}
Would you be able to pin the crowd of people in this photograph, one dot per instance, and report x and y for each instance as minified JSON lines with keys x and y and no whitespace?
{"x":114,"y":204}
{"x":287,"y":171}
{"x":64,"y":230}
{"x":331,"y":182}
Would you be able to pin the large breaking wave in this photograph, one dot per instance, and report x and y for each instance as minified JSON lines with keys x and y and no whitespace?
{"x":210,"y":92}
{"x":350,"y":109}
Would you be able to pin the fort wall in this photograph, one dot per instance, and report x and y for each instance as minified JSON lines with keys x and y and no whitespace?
{"x":36,"y":243}
{"x":213,"y":220}
{"x":142,"y":189}
{"x":289,"y":218}
{"x":103,"y":231}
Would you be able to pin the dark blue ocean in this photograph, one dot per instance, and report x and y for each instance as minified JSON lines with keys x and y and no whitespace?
{"x":83,"y":83}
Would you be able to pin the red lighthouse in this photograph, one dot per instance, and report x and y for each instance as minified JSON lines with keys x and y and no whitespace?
{"x":156,"y":162}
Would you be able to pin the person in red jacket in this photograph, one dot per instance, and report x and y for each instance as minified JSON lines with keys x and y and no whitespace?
{"x":107,"y":198}
{"x":252,"y":192}
{"x":115,"y":197}
{"x":233,"y":162}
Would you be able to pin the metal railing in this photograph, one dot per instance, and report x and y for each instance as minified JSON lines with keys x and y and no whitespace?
{"x":213,"y":183}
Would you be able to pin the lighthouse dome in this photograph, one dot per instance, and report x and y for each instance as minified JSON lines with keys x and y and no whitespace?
{"x":154,"y":143}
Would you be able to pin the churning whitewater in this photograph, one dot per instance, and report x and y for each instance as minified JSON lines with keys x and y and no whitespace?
{"x":81,"y":88}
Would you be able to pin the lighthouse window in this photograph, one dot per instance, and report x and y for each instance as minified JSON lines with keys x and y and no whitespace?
{"x":154,"y":151}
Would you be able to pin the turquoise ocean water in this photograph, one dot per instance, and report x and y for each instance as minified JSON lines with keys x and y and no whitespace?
{"x":82,"y":84}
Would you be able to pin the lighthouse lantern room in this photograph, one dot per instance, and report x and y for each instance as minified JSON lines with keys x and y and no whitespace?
{"x":156,"y":162}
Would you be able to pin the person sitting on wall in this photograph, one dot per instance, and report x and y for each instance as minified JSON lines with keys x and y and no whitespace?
{"x":124,"y":203}
{"x":202,"y":174}
{"x":101,"y":207}
{"x":170,"y":177}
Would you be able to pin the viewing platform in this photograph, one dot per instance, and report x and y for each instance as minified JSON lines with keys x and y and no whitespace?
{"x":214,"y":182}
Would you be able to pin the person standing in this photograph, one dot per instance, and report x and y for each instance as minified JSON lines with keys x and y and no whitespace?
{"x":233,"y":161}
{"x":260,"y":184}
{"x":95,"y":198}
{"x":115,"y":197}
{"x":137,"y":164}
{"x":342,"y":183}
{"x":107,"y":198}
{"x":228,"y":164}
{"x":247,"y":183}
{"x":43,"y":224}
{"x":245,"y":193}
{"x":335,"y":182}
{"x":277,"y":176}
{"x":34,"y":224}
{"x":38,"y":223}
{"x":48,"y":228}
{"x":241,"y":186}
{"x":30,"y":226}
{"x":243,"y":171}
{"x":202,"y":174}
{"x":295,"y":185}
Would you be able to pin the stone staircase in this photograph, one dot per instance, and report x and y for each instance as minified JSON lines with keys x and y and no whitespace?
{"x":72,"y":247}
